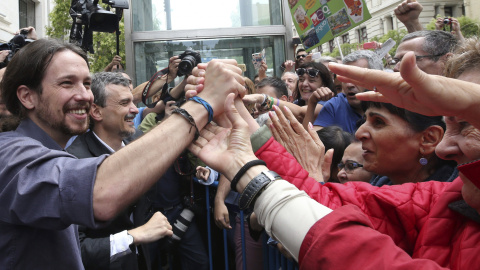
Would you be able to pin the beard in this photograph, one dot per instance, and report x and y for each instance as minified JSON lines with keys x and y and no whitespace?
{"x":50,"y":119}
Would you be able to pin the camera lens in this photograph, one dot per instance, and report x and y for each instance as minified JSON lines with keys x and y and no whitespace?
{"x":187,"y":64}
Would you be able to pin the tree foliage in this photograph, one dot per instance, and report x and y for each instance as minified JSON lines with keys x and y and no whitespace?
{"x":104,"y":44}
{"x":469,"y":26}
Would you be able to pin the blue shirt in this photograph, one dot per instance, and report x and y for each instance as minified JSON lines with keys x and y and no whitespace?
{"x":139,"y":117}
{"x":43,"y":191}
{"x":337,"y":112}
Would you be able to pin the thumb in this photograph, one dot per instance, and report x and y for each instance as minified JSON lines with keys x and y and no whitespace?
{"x":411,"y":73}
{"x":232,"y":112}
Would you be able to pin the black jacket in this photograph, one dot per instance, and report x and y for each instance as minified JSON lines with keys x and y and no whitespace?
{"x":95,"y":244}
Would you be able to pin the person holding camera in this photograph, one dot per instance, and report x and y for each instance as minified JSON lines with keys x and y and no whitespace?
{"x":443,"y":23}
{"x":21,"y":38}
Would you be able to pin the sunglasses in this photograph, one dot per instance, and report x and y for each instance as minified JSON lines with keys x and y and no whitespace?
{"x":301,"y":56}
{"x":311,"y":72}
{"x":349,"y":166}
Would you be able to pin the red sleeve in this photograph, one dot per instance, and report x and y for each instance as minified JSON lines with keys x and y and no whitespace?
{"x":345,"y":239}
{"x":399,"y":211}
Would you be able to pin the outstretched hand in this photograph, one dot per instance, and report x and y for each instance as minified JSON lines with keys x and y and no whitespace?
{"x":305,"y":146}
{"x":225,"y":150}
{"x":415,"y":90}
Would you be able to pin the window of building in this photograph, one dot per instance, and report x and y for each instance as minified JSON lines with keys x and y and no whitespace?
{"x":448,"y":11}
{"x":159,"y":15}
{"x":346,"y":38}
{"x":154,"y":55}
{"x":362,"y":35}
{"x":331,"y":45}
{"x":26,"y":12}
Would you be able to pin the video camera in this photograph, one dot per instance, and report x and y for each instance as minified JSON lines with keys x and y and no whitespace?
{"x":89,"y":16}
{"x":15,"y":44}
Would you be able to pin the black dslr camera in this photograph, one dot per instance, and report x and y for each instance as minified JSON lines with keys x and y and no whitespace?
{"x":190,"y":59}
{"x":15,"y":44}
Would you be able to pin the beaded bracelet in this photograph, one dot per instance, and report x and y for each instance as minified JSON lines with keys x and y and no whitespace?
{"x":206,"y":105}
{"x":271,"y":103}
{"x":190,"y":119}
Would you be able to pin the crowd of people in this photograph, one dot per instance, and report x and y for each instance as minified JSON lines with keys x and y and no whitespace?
{"x":341,"y":163}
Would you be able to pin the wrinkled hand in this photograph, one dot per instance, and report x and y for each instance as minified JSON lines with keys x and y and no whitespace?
{"x":305,"y":146}
{"x":289,"y":66}
{"x":156,"y":228}
{"x":413,"y":89}
{"x":408,"y":10}
{"x":202,"y":173}
{"x":322,"y":93}
{"x":173,"y":66}
{"x":225,"y":150}
{"x":3,"y":55}
{"x":222,"y":219}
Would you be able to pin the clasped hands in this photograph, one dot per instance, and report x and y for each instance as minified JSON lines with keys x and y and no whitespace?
{"x":224,"y":144}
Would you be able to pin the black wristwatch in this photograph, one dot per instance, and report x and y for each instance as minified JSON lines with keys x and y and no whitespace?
{"x":255,"y":187}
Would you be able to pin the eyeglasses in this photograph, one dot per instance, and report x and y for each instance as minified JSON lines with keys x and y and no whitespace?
{"x":349,"y":166}
{"x":311,"y":72}
{"x":301,"y":56}
{"x":395,"y":61}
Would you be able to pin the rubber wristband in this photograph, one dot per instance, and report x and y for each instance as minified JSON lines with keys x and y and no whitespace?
{"x":206,"y":105}
{"x":242,"y":171}
{"x":271,"y":103}
{"x":278,"y":102}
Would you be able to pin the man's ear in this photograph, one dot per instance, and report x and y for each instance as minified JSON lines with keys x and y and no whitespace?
{"x":431,"y":137}
{"x":27,"y":97}
{"x":96,"y":113}
{"x":284,"y":98}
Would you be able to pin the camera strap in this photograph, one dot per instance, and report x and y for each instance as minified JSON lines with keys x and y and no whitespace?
{"x":146,"y":89}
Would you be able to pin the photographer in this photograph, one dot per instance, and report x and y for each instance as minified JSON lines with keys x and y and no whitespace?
{"x":21,"y":38}
{"x":442,"y":23}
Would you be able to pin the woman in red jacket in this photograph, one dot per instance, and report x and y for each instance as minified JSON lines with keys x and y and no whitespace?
{"x":431,"y":225}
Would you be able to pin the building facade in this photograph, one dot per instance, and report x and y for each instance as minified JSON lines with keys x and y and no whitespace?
{"x":16,"y":14}
{"x":156,"y":30}
{"x":383,"y":18}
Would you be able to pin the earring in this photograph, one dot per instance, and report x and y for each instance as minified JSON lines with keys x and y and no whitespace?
{"x":423,"y":161}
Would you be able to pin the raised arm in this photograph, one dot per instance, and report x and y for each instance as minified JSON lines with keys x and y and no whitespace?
{"x":416,"y":91}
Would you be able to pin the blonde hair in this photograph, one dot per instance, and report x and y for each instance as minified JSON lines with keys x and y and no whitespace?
{"x":465,"y":58}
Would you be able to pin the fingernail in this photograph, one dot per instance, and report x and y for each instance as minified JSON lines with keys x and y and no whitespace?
{"x":275,"y":107}
{"x":286,"y":108}
{"x":201,"y":73}
{"x":310,"y":125}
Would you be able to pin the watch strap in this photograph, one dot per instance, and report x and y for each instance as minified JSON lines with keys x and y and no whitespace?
{"x":255,"y":187}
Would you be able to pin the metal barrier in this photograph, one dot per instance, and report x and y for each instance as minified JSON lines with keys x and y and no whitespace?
{"x":272,"y":258}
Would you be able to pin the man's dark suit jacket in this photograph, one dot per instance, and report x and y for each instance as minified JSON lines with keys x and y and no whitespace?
{"x":95,"y":244}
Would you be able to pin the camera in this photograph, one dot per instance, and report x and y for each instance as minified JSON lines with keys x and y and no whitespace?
{"x":190,"y":59}
{"x":15,"y":44}
{"x":447,"y":21}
